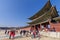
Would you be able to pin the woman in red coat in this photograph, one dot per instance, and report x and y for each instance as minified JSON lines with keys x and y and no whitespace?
{"x":12,"y":34}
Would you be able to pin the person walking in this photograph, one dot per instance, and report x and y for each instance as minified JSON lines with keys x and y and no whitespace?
{"x":5,"y":31}
{"x":34,"y":34}
{"x":12,"y":34}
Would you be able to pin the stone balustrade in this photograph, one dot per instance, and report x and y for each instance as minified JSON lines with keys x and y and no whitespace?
{"x":51,"y":34}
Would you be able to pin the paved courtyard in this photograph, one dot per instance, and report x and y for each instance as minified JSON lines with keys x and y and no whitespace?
{"x":18,"y":37}
{"x":29,"y":38}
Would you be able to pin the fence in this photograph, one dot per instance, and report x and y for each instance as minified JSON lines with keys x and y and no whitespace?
{"x":51,"y":34}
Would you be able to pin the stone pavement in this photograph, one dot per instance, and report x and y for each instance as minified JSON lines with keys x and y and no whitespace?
{"x":29,"y":38}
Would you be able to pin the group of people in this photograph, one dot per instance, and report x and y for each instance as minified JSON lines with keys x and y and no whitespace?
{"x":35,"y":32}
{"x":11,"y":33}
{"x":24,"y":32}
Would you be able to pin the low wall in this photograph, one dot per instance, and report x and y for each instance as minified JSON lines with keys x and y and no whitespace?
{"x":51,"y":34}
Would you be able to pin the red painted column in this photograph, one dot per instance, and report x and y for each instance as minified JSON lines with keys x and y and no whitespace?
{"x":44,"y":25}
{"x":49,"y":22}
{"x":40,"y":27}
{"x":34,"y":27}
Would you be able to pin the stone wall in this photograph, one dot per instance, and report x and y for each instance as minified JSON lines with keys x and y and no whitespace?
{"x":56,"y":26}
{"x":27,"y":28}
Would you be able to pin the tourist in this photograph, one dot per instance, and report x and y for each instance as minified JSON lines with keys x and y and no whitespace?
{"x":27,"y":33}
{"x":21,"y":33}
{"x":5,"y":31}
{"x":53,"y":29}
{"x":24,"y":32}
{"x":34,"y":34}
{"x":12,"y":34}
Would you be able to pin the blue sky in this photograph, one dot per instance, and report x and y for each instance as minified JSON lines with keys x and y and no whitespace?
{"x":16,"y":12}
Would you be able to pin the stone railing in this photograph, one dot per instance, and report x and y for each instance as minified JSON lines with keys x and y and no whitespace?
{"x":51,"y":34}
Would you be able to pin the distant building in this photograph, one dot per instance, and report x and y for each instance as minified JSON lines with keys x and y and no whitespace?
{"x":46,"y":18}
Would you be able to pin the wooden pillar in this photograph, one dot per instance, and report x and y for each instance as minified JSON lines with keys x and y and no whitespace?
{"x":39,"y":27}
{"x":44,"y":25}
{"x":50,"y":24}
{"x":34,"y":27}
{"x":49,"y":21}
